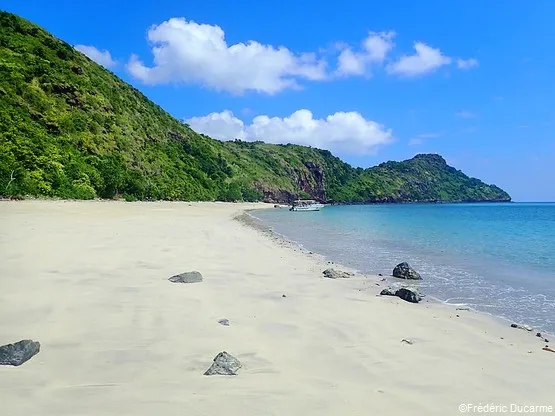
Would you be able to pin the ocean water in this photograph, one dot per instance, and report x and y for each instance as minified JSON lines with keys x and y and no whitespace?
{"x":496,"y":258}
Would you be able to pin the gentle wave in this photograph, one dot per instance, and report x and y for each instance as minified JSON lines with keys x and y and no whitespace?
{"x":491,"y":257}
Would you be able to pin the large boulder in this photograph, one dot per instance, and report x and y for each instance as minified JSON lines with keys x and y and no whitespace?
{"x":19,"y":352}
{"x":404,"y":271}
{"x":224,"y":364}
{"x":336,"y":274}
{"x":187,"y":277}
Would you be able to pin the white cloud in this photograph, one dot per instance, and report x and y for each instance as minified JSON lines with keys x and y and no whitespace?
{"x":374,"y":51}
{"x":185,"y":51}
{"x":424,"y":61}
{"x":346,"y":132}
{"x":221,"y":126}
{"x":350,"y":63}
{"x":377,"y":45}
{"x":103,"y":58}
{"x":467,"y":63}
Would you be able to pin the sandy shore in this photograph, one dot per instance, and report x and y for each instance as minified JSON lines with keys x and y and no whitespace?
{"x":89,"y":281}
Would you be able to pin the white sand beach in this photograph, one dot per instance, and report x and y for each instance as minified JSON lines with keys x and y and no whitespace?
{"x":89,"y":281}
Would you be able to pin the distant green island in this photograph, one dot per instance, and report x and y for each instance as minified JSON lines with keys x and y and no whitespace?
{"x":71,"y":129}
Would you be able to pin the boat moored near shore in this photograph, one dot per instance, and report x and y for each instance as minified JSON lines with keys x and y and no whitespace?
{"x":306,"y":205}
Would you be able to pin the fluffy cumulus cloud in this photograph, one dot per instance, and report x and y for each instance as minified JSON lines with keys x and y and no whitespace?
{"x":424,"y":61}
{"x":186,"y":51}
{"x":221,"y":126}
{"x":345,"y":132}
{"x":374,"y":51}
{"x":103,"y":57}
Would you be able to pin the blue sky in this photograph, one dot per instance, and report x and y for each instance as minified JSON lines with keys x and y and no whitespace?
{"x":478,"y":88}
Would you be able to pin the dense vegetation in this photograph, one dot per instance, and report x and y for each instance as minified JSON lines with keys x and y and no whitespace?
{"x":425,"y":177}
{"x":71,"y":129}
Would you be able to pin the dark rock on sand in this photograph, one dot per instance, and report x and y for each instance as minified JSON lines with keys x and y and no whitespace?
{"x":19,"y":352}
{"x":410,"y":295}
{"x":539,"y":334}
{"x":404,"y":271}
{"x":187,"y":277}
{"x":388,"y":292}
{"x":224,"y":322}
{"x":224,"y":364}
{"x":336,"y":274}
{"x":405,"y":293}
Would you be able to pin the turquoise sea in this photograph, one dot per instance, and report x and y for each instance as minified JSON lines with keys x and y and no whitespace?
{"x":496,"y":258}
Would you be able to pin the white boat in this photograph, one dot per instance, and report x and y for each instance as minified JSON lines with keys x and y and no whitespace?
{"x":306,"y":205}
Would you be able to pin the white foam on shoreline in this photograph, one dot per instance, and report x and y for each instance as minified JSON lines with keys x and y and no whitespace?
{"x":495,"y":310}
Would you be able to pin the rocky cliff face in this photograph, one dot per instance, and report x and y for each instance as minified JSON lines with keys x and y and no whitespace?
{"x":276,"y":196}
{"x":309,"y":180}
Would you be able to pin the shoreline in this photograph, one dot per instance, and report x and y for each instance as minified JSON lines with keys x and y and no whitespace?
{"x":259,"y":225}
{"x":89,"y":281}
{"x":4,"y":198}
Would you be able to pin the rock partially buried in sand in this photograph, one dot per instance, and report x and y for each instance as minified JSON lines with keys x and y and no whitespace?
{"x":410,"y":295}
{"x":19,"y":352}
{"x":224,"y":364}
{"x":224,"y":322}
{"x":336,"y":274}
{"x":187,"y":277}
{"x":388,"y":292}
{"x":404,"y":271}
{"x":525,"y":327}
{"x":406,"y":293}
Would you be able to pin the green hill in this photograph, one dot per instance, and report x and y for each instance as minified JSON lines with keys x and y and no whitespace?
{"x":424,"y":178}
{"x":70,"y":128}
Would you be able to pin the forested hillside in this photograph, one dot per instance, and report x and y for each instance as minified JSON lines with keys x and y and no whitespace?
{"x":71,"y":129}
